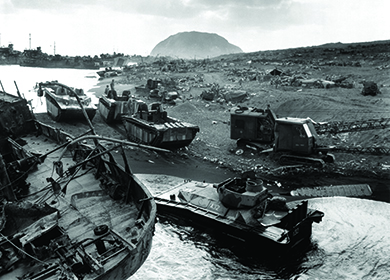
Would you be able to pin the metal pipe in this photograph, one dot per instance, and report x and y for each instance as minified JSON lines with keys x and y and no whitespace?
{"x":17,"y":90}
{"x":2,"y":87}
{"x":5,"y":186}
{"x":123,"y":142}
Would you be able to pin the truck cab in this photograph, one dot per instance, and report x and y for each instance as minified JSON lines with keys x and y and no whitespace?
{"x":252,"y":124}
{"x":295,"y":135}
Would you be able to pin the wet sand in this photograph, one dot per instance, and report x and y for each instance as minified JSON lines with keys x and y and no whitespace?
{"x":99,"y":88}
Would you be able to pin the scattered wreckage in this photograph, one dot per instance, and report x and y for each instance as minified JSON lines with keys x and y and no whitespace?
{"x":216,"y":92}
{"x":149,"y":88}
{"x":370,"y":88}
{"x":154,"y":89}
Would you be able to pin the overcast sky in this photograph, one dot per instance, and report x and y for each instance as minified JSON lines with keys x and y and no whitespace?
{"x":93,"y":27}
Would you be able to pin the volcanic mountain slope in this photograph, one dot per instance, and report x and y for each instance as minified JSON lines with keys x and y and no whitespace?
{"x":194,"y":44}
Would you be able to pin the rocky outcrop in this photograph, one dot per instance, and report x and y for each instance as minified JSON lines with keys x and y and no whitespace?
{"x":194,"y":45}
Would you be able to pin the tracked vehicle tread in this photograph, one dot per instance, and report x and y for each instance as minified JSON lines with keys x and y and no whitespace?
{"x":309,"y":161}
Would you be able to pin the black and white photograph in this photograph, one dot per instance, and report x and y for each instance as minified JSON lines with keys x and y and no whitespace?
{"x":194,"y":139}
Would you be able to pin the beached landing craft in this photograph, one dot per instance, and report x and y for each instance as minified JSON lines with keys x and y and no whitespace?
{"x":108,"y":72}
{"x":152,"y":126}
{"x":112,"y":108}
{"x":244,"y":209}
{"x":63,"y":102}
{"x":68,"y":210}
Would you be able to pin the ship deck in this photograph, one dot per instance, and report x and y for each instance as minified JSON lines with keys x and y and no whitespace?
{"x":97,"y":209}
{"x":89,"y":218}
{"x":83,"y":208}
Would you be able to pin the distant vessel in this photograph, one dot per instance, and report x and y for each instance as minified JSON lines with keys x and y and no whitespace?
{"x":37,"y":58}
{"x":152,"y":126}
{"x":63,"y":102}
{"x":45,"y":63}
{"x":68,"y":210}
{"x":244,"y":209}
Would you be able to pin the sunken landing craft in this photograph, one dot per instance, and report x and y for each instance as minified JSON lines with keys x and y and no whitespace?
{"x":244,"y":209}
{"x":68,"y":210}
{"x":63,"y":102}
{"x":152,"y":126}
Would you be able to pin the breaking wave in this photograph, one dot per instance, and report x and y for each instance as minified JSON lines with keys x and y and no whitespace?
{"x":351,"y":242}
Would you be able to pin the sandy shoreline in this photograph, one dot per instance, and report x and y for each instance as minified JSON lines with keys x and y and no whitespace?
{"x":120,"y":86}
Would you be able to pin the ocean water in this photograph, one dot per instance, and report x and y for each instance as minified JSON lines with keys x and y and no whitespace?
{"x":26,"y":79}
{"x":352,"y":241}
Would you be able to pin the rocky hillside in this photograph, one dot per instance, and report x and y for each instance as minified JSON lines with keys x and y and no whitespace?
{"x":194,"y":45}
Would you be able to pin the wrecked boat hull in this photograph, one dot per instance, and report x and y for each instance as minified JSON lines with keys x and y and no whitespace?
{"x":98,"y":220}
{"x":65,"y":113}
{"x":171,"y":134}
{"x":275,"y":232}
{"x":64,"y":103}
{"x":238,"y":232}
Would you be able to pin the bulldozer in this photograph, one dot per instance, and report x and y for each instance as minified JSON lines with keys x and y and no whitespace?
{"x":295,"y":139}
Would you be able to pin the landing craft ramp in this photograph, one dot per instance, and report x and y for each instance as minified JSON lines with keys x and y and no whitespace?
{"x":355,"y":190}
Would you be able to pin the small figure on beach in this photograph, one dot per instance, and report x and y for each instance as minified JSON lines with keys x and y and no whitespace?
{"x":107,"y":89}
{"x":111,"y":92}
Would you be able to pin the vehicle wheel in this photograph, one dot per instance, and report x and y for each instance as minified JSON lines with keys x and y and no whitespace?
{"x":329,"y":158}
{"x":100,"y":230}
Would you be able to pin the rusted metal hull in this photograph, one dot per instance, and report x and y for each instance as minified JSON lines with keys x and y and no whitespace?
{"x":171,"y":134}
{"x":60,"y":112}
{"x":253,"y":239}
{"x":97,"y":221}
{"x":275,"y":232}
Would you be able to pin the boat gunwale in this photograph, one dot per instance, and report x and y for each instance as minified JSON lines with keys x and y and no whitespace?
{"x":143,"y":201}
